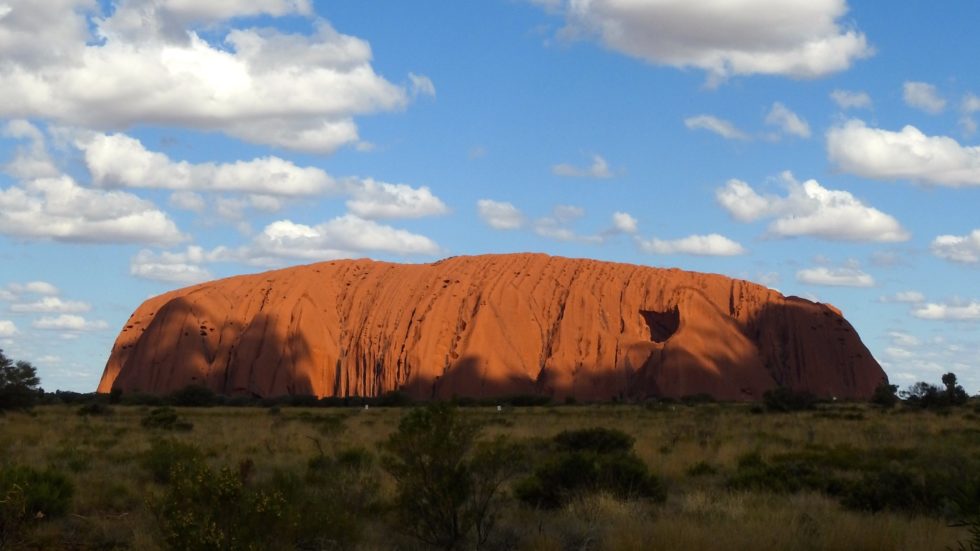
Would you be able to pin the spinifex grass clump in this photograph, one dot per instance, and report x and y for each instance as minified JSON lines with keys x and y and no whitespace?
{"x":589,"y":461}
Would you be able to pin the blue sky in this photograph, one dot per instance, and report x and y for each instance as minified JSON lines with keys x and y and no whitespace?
{"x":825,"y":148}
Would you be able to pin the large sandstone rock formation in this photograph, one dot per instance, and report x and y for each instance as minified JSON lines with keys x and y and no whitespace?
{"x":489,"y":326}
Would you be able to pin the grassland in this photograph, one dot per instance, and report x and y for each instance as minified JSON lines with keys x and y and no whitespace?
{"x":735,"y":478}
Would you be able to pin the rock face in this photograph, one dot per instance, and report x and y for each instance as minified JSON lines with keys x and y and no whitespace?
{"x":492,"y":325}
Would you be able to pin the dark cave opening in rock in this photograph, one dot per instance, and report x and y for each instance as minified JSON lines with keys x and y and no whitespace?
{"x":662,"y":324}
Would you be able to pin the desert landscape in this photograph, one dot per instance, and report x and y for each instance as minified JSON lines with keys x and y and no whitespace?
{"x":491,"y":275}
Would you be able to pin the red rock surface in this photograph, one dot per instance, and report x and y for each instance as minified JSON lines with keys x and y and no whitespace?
{"x":489,"y":326}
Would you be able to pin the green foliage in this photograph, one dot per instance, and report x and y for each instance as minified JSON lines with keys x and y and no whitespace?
{"x":19,"y":384}
{"x":28,"y":496}
{"x":596,"y":439}
{"x":448,"y":486}
{"x":785,"y":475}
{"x":885,"y":395}
{"x":94,"y":408}
{"x":165,"y":418}
{"x":928,"y":396}
{"x":204,"y":509}
{"x":586,"y":461}
{"x":164,"y":455}
{"x":194,"y":396}
{"x":784,"y":399}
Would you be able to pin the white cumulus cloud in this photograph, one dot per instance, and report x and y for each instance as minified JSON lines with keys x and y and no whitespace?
{"x":923,"y":96}
{"x":51,"y":304}
{"x":624,"y":222}
{"x":796,"y":38}
{"x":787,"y":122}
{"x":849,"y":99}
{"x":700,"y":245}
{"x":598,"y":169}
{"x":60,"y":209}
{"x":377,"y":200}
{"x":7,"y":328}
{"x":147,"y":63}
{"x":342,"y":237}
{"x":810,"y":209}
{"x":69,"y":322}
{"x":500,"y":215}
{"x":958,"y":248}
{"x":174,"y":267}
{"x":908,"y":154}
{"x":838,"y":277}
{"x":968,"y":311}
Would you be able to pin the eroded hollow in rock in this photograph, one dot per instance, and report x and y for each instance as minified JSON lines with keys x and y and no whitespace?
{"x":662,"y":324}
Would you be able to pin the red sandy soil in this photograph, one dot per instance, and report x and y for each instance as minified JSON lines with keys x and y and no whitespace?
{"x":493,"y":325}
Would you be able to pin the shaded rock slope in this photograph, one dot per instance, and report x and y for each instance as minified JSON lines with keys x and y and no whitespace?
{"x":493,"y":325}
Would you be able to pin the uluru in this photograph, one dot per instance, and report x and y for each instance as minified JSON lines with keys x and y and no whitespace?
{"x":489,"y":326}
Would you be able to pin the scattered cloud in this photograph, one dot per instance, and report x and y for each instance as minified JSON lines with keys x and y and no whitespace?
{"x":7,"y":328}
{"x":958,"y":248}
{"x":69,"y":322}
{"x":117,"y":160}
{"x":904,"y":155}
{"x":145,"y":63}
{"x":180,"y":267}
{"x":187,"y":200}
{"x":715,"y":125}
{"x":60,"y":209}
{"x":923,"y":96}
{"x":346,"y":236}
{"x":623,"y":222}
{"x":700,"y":245}
{"x":421,"y":85}
{"x":30,"y":160}
{"x":848,"y":99}
{"x":556,"y":225}
{"x":838,"y":277}
{"x":380,"y":200}
{"x":809,"y":209}
{"x":744,"y":37}
{"x":904,"y":339}
{"x":905,"y":297}
{"x":51,"y":304}
{"x":598,"y":169}
{"x":500,"y":215}
{"x":34,"y":287}
{"x":787,"y":122}
{"x":968,"y":311}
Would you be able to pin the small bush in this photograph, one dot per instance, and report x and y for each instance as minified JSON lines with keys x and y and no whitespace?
{"x":27,"y":496}
{"x":784,"y":399}
{"x":194,"y":396}
{"x":701,"y":468}
{"x":164,"y":455}
{"x":885,"y":395}
{"x":448,"y":487}
{"x":95,"y":408}
{"x":589,"y":461}
{"x":165,"y":418}
{"x":599,"y":440}
{"x":207,"y":509}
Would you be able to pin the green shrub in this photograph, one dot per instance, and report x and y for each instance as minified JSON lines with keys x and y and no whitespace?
{"x":29,"y":496}
{"x":783,"y":475}
{"x":20,"y":387}
{"x":784,"y":399}
{"x":164,"y":455}
{"x":597,"y":439}
{"x":165,"y":418}
{"x":885,"y":395}
{"x":586,"y":461}
{"x":207,"y":509}
{"x":447,"y":485}
{"x":194,"y":396}
{"x":95,"y":408}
